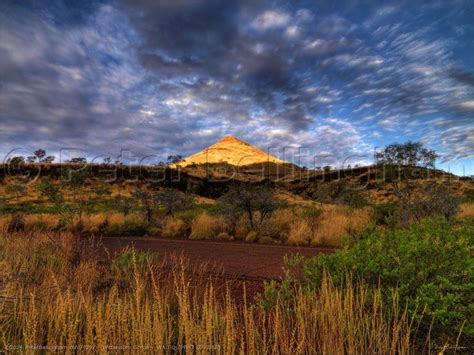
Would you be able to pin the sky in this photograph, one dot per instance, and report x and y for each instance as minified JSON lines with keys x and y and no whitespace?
{"x":138,"y":80}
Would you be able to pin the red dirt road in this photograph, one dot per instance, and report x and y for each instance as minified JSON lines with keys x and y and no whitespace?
{"x":239,"y":260}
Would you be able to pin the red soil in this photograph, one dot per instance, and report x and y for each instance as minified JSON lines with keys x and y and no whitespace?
{"x":242,"y":263}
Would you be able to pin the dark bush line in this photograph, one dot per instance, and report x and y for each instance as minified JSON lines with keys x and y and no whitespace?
{"x":30,"y":208}
{"x":127,"y":228}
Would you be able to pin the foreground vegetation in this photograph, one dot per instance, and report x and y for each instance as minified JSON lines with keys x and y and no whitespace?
{"x":58,"y":295}
{"x":401,"y":281}
{"x":427,"y":269}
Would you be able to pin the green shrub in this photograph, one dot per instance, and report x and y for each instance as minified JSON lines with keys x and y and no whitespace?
{"x":27,"y":207}
{"x":130,"y":258}
{"x":281,"y":291}
{"x":353,"y":198}
{"x":322,"y":194}
{"x":311,"y":213}
{"x":50,"y":190}
{"x":430,"y":265}
{"x":274,"y":292}
{"x":127,"y":228}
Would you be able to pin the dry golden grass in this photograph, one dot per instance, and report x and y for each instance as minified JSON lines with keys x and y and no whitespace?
{"x":61,"y":302}
{"x":205,"y":226}
{"x":337,"y":222}
{"x":330,"y":228}
{"x":300,"y":233}
{"x":242,"y":228}
{"x":91,"y":222}
{"x":282,"y":218}
{"x":288,"y":225}
{"x":33,"y":221}
{"x":173,"y":227}
{"x":466,"y":210}
{"x":292,"y":198}
{"x":285,"y":225}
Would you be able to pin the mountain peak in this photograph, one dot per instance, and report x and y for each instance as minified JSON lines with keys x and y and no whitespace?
{"x":231,"y":139}
{"x":233,"y":151}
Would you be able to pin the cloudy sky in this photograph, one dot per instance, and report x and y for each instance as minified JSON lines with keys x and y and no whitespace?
{"x":173,"y":76}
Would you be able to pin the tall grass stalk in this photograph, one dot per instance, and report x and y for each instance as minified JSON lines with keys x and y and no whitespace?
{"x":53,"y":300}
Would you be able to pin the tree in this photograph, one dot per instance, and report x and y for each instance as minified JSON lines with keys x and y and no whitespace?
{"x":409,"y":154}
{"x":81,"y":203}
{"x":430,"y":200}
{"x":415,"y":199}
{"x":173,"y":201}
{"x":16,"y":189}
{"x":40,"y":154}
{"x":352,"y":198}
{"x":251,"y":201}
{"x":16,"y":161}
{"x":40,"y":157}
{"x":147,"y":203}
{"x":322,"y":194}
{"x":48,"y":160}
{"x":164,"y":202}
{"x":76,"y":160}
{"x":174,"y":159}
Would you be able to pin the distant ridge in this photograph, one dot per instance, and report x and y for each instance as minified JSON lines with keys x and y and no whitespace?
{"x":233,"y":151}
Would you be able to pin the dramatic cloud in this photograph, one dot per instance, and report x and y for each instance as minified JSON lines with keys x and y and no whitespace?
{"x":159,"y":76}
{"x":271,"y":19}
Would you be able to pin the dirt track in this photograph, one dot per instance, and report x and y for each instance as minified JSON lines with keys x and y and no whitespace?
{"x":239,"y":260}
